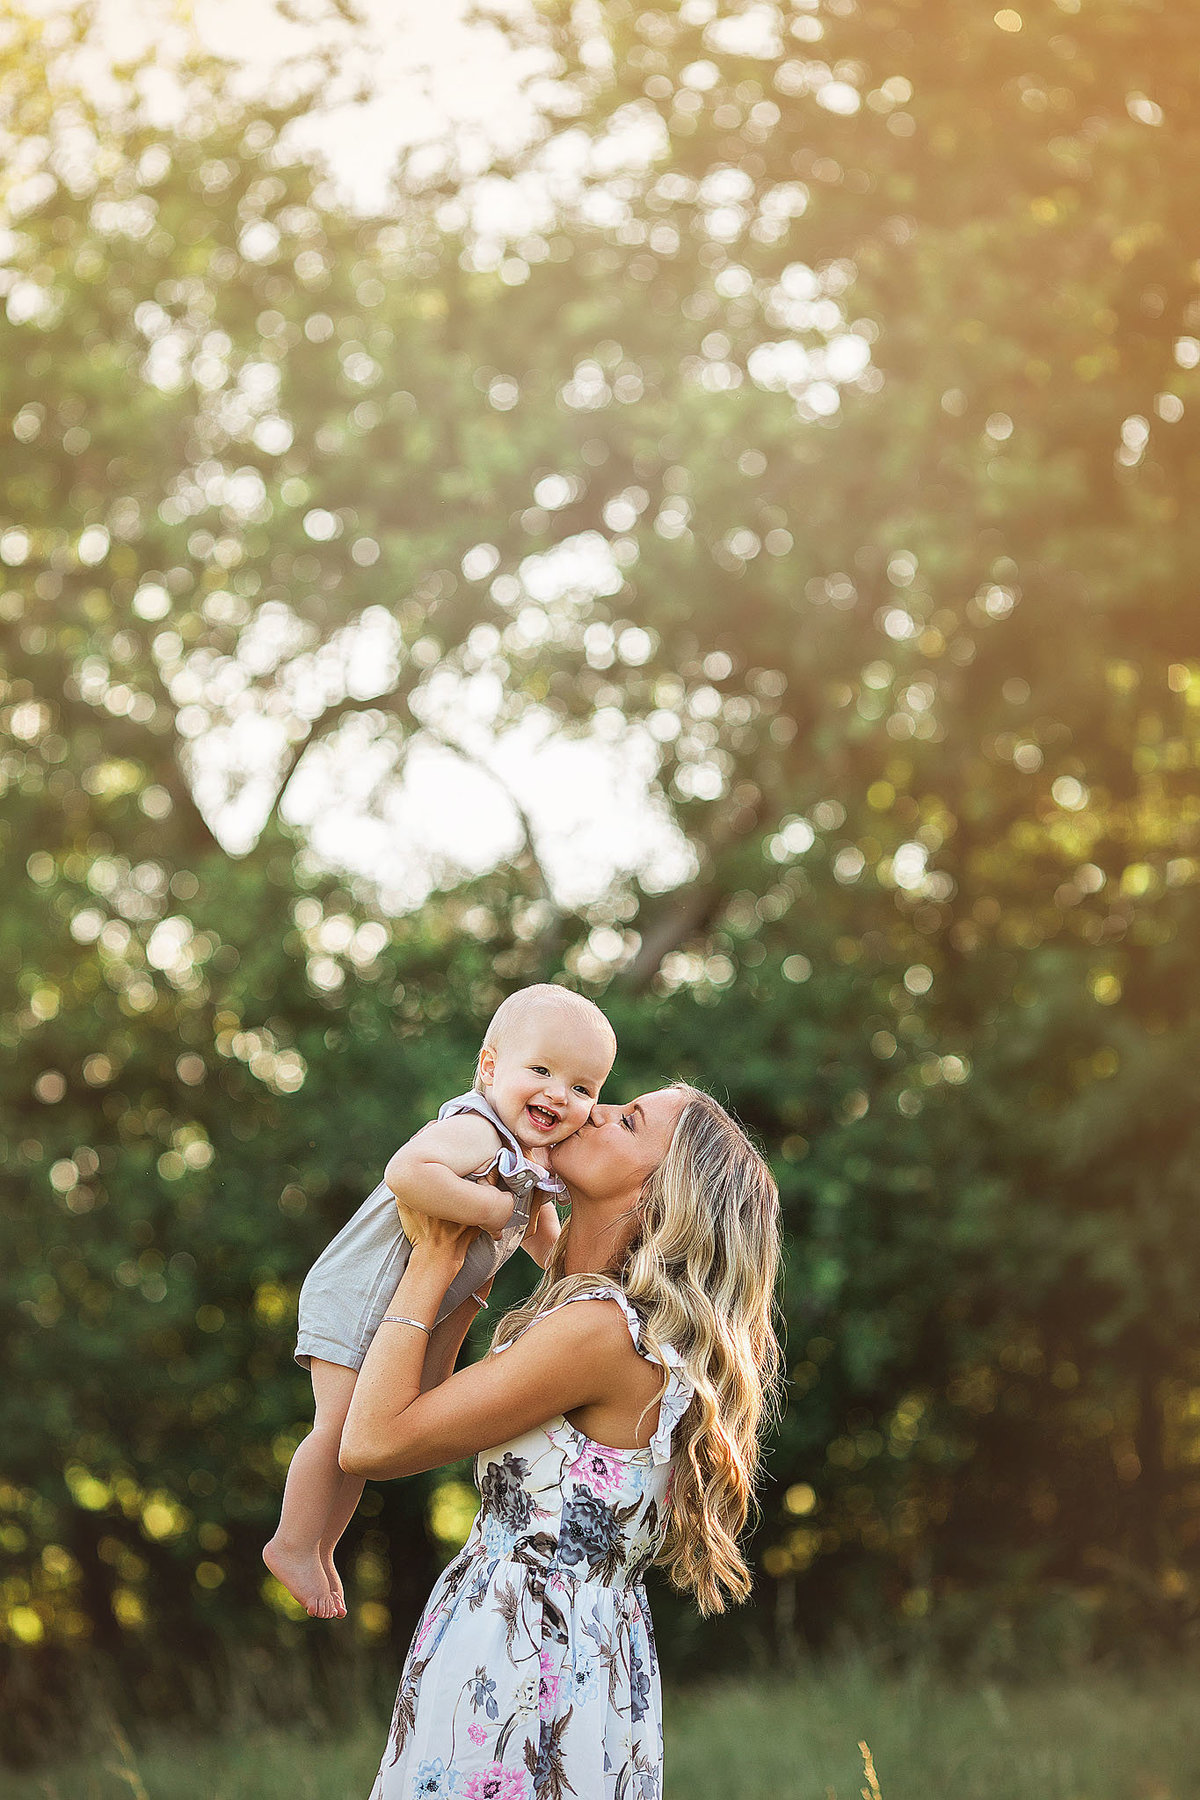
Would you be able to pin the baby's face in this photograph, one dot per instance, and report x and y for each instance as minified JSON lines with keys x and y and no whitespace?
{"x":544,"y":1077}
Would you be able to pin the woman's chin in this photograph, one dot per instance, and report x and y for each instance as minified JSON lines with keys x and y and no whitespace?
{"x":561,"y":1157}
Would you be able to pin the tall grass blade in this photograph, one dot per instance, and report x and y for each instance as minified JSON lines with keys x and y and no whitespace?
{"x":125,"y":1769}
{"x":871,"y":1791}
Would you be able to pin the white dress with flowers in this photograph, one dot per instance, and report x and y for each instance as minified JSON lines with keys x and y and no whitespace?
{"x":533,"y":1673}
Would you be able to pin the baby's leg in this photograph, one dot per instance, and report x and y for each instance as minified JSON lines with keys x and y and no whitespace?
{"x":312,"y":1496}
{"x":347,"y":1498}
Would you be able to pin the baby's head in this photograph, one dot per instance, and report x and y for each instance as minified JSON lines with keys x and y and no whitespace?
{"x":545,"y":1057}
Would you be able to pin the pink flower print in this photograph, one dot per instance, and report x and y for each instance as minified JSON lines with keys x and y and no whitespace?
{"x":599,"y":1471}
{"x":496,"y":1783}
{"x":476,"y":1733}
{"x":548,"y":1684}
{"x":426,"y":1627}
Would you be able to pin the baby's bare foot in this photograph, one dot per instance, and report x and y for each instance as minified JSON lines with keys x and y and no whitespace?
{"x":335,"y":1582}
{"x":304,"y":1577}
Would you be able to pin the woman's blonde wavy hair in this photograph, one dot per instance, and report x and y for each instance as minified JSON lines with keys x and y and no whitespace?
{"x":700,"y":1270}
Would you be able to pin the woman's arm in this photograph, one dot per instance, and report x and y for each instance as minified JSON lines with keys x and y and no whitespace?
{"x":542,"y":1233}
{"x":575,"y":1357}
{"x":446,"y":1340}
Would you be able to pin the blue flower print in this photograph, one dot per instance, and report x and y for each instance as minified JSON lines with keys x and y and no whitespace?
{"x":433,"y":1781}
{"x":639,"y":1686}
{"x":582,"y":1681}
{"x":483,"y":1693}
{"x":503,"y":1492}
{"x":590,"y":1531}
{"x":479,"y":1587}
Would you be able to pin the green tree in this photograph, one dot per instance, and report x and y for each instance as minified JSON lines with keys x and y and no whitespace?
{"x":872,"y":380}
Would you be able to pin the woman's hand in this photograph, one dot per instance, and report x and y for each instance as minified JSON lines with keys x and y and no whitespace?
{"x":444,"y":1241}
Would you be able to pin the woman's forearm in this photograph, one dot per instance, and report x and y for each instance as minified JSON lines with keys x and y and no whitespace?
{"x":542,"y":1235}
{"x":394,"y":1373}
{"x":446,"y":1342}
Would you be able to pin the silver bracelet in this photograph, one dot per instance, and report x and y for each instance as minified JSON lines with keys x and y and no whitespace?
{"x":481,"y":1300}
{"x":399,"y":1319}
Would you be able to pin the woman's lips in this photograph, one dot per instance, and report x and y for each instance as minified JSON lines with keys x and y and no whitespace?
{"x":542,"y":1117}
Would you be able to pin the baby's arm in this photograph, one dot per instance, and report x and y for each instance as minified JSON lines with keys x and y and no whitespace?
{"x":541,"y":1234}
{"x":429,"y":1173}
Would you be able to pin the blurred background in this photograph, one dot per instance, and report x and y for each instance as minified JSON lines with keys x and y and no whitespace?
{"x":697,"y":502}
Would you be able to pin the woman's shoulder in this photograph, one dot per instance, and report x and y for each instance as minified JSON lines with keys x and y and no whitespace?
{"x":600,"y":1313}
{"x":587,"y":1323}
{"x":641,"y":1370}
{"x":609,"y":1311}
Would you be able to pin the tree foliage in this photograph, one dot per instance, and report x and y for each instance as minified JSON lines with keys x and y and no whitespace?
{"x":861,"y":364}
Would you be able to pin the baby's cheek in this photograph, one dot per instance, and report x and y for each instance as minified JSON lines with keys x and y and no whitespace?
{"x":572,"y":1119}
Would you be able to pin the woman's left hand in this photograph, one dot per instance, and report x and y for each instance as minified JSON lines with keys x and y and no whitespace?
{"x":444,"y":1240}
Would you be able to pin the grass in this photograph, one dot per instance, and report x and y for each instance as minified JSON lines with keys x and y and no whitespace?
{"x":1090,"y":1737}
{"x":837,"y":1733}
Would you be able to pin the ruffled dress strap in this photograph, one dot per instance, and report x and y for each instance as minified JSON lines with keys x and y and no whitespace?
{"x":679,"y":1391}
{"x":510,"y":1161}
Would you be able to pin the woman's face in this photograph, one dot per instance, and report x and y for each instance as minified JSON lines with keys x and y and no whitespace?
{"x":611,"y":1156}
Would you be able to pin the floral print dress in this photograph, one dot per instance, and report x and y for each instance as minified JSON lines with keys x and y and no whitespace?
{"x":533,"y":1673}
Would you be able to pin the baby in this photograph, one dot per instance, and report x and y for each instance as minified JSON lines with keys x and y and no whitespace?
{"x":545,"y":1057}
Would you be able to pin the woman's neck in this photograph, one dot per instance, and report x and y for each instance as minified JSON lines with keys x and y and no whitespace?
{"x":597,"y":1233}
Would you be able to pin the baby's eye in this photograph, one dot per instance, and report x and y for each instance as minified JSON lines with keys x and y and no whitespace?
{"x":580,"y":1089}
{"x":537,"y":1069}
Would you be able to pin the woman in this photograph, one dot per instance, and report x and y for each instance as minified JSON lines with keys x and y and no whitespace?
{"x":624,"y":1409}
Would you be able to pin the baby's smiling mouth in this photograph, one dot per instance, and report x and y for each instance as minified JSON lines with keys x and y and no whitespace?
{"x":542,"y":1117}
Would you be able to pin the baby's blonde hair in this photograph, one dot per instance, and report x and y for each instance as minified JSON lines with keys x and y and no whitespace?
{"x":527,"y":1000}
{"x":701,"y":1272}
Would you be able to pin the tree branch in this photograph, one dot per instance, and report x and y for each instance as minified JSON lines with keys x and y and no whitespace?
{"x":328,"y":721}
{"x":332,"y":716}
{"x":523,"y":820}
{"x":690,"y":910}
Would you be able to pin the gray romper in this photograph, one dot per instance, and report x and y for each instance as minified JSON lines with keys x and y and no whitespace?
{"x":347,"y":1290}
